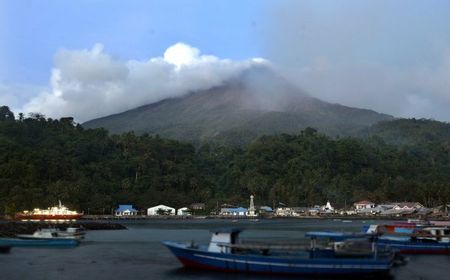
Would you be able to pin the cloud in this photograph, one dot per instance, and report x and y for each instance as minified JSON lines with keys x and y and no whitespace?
{"x":17,"y":94}
{"x":87,"y":84}
{"x":368,"y":54}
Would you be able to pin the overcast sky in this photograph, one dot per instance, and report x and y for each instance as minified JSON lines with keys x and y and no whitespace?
{"x":88,"y":58}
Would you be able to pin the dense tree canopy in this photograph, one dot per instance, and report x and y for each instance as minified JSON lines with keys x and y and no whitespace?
{"x":43,"y":160}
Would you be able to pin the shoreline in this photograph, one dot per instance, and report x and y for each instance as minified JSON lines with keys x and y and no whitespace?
{"x":109,"y":218}
{"x":263,"y":217}
{"x":12,"y":228}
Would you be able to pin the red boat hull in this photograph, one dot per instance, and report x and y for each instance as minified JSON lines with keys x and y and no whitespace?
{"x":48,"y":217}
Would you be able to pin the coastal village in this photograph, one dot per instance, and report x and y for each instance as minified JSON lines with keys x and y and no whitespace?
{"x":359,"y":209}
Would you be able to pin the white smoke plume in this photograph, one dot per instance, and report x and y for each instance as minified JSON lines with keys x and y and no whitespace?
{"x":87,"y":84}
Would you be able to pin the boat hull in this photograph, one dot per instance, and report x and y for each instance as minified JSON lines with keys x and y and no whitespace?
{"x":416,"y":247}
{"x":17,"y":242}
{"x":203,"y":259}
{"x":402,"y":245}
{"x":38,"y":217}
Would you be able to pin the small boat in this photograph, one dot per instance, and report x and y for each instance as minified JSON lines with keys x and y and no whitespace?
{"x":19,"y":242}
{"x":69,"y":233}
{"x":54,"y":233}
{"x":226,"y":253}
{"x":423,"y":240}
{"x":403,"y":239}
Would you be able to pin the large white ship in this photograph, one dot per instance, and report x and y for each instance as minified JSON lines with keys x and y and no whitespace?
{"x":59,"y":212}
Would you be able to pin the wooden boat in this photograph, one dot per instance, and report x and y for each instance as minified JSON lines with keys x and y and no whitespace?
{"x":426,"y":240}
{"x":406,"y":240}
{"x":49,"y":233}
{"x":69,"y":233}
{"x":19,"y":242}
{"x":226,"y":253}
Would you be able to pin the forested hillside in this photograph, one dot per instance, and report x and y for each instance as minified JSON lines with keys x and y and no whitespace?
{"x":43,"y":160}
{"x":409,"y":131}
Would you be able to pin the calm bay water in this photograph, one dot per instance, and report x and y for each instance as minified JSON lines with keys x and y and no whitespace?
{"x":136,"y":253}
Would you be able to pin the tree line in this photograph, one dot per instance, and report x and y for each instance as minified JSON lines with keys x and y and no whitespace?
{"x":43,"y":160}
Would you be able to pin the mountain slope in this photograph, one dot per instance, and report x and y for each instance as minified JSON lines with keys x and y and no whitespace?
{"x":256,"y":103}
{"x":408,"y":131}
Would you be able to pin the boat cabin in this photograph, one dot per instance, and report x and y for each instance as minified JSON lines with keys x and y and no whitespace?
{"x":222,"y":237}
{"x":440,"y":234}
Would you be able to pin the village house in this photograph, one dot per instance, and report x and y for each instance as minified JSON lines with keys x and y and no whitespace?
{"x":364,"y":204}
{"x":197,"y":206}
{"x":284,"y":211}
{"x":125,"y":210}
{"x":160,"y":210}
{"x":406,"y":205}
{"x":265,"y":210}
{"x":235,"y":211}
{"x":184,"y":211}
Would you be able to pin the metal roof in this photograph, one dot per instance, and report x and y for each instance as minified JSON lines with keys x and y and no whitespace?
{"x":125,"y":207}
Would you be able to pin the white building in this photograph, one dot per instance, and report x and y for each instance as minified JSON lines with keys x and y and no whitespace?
{"x":234,"y":211}
{"x":125,"y":210}
{"x":406,"y":205}
{"x":328,"y":208}
{"x":160,"y":210}
{"x":364,"y":205}
{"x":184,"y":211}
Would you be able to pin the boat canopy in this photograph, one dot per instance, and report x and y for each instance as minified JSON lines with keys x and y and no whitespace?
{"x":335,"y":235}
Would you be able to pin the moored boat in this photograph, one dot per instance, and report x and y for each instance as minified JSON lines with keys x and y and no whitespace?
{"x":52,"y":233}
{"x":226,"y":253}
{"x":406,"y":240}
{"x":59,"y":212}
{"x":419,"y":240}
{"x":19,"y":242}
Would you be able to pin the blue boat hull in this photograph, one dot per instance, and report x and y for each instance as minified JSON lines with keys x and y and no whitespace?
{"x":16,"y":242}
{"x":203,"y":259}
{"x":401,"y":244}
{"x":416,"y":247}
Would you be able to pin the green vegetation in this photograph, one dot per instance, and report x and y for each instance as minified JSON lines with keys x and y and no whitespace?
{"x":43,"y":160}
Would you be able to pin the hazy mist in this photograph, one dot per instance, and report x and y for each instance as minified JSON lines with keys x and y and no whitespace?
{"x":389,"y":56}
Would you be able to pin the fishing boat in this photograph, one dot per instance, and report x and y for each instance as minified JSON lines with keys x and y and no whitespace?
{"x":59,"y":212}
{"x":225,"y":252}
{"x":20,"y":242}
{"x":406,"y":240}
{"x":54,"y":233}
{"x":419,"y":240}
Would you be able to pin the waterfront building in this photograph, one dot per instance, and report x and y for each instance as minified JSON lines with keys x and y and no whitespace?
{"x":160,"y":210}
{"x":406,"y":205}
{"x":265,"y":209}
{"x":284,"y":211}
{"x":184,"y":211}
{"x":126,"y":210}
{"x":236,"y":211}
{"x":364,"y":204}
{"x":197,"y":206}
